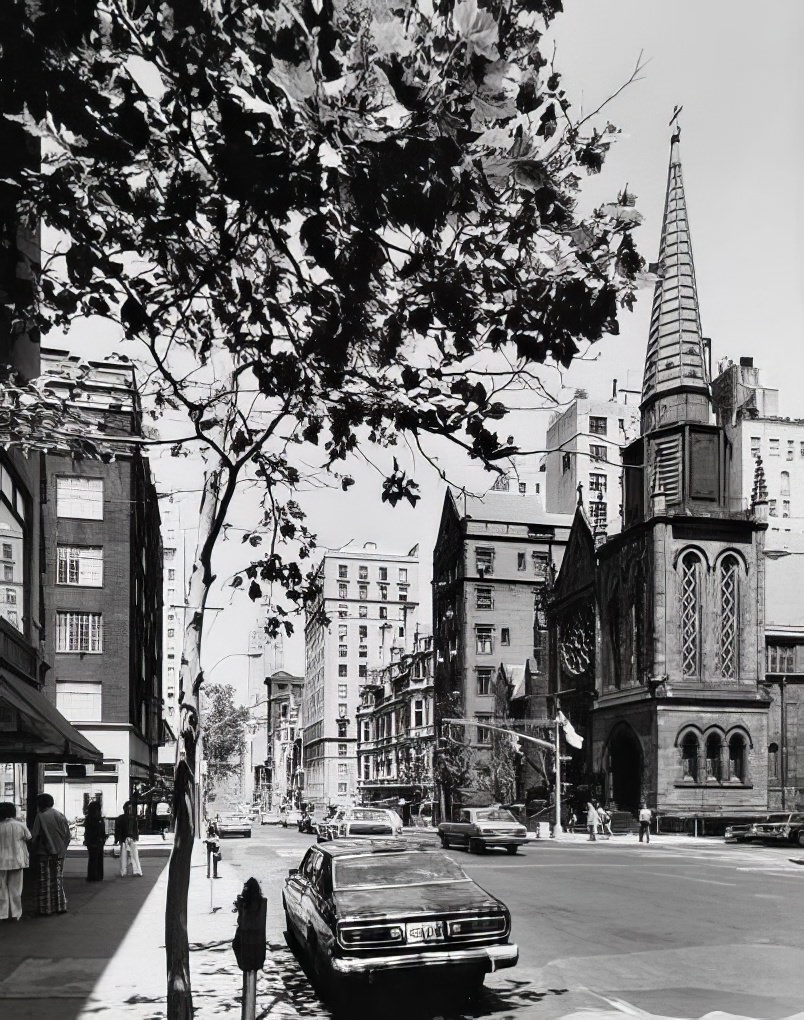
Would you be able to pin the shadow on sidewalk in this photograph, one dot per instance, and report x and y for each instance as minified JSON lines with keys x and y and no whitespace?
{"x":61,"y":957}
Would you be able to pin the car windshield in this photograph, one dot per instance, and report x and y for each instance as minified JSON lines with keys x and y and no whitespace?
{"x":777,"y":818}
{"x":365,"y":815}
{"x":494,"y":815}
{"x":400,"y":869}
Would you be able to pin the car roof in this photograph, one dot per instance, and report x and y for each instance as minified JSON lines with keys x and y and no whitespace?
{"x":369,"y":847}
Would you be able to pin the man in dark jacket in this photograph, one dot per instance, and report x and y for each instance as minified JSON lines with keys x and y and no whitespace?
{"x":127,"y":834}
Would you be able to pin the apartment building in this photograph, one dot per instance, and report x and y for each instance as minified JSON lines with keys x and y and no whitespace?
{"x":396,"y":731}
{"x":370,"y":600}
{"x":493,"y":563}
{"x":173,"y":588}
{"x":102,"y":585}
{"x":584,"y":441}
{"x":285,"y":775}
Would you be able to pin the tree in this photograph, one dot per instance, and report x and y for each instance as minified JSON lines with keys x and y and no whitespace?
{"x":224,"y":733}
{"x":323,"y":225}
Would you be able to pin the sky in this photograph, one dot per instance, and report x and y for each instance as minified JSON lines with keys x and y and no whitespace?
{"x":735,"y":69}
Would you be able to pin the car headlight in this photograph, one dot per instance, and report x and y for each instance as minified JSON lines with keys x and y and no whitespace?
{"x":485,"y":831}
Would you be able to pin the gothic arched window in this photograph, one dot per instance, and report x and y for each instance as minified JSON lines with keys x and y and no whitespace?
{"x":737,"y":758}
{"x":690,"y":614}
{"x":713,"y":746}
{"x":689,"y":757}
{"x":729,"y":616}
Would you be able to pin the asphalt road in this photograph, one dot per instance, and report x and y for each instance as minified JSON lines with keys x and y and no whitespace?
{"x":677,"y":928}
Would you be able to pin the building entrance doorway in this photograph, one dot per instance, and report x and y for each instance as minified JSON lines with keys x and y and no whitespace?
{"x":624,"y":770}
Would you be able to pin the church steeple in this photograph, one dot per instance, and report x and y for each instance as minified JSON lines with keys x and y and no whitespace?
{"x":676,"y":383}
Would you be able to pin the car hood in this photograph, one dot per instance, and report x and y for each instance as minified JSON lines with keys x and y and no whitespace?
{"x":413,"y":899}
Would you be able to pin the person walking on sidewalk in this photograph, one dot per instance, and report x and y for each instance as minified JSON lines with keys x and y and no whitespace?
{"x":592,"y":819}
{"x":644,"y":822}
{"x":94,"y":840}
{"x":127,"y":834}
{"x":14,"y":837}
{"x":50,"y":837}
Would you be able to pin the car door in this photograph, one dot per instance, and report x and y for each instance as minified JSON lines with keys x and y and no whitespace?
{"x":297,"y":897}
{"x":321,"y":910}
{"x":463,"y":826}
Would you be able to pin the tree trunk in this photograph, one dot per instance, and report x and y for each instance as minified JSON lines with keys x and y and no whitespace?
{"x":177,"y":949}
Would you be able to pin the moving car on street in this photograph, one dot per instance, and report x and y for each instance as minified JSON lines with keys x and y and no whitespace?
{"x":234,"y":825}
{"x":360,"y":821}
{"x":429,"y":915}
{"x":480,"y":828}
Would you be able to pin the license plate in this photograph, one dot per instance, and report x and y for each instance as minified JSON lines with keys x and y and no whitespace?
{"x":429,"y":931}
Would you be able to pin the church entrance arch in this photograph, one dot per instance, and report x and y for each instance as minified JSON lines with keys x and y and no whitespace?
{"x":624,"y":767}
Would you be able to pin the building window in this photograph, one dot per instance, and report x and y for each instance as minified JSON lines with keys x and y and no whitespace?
{"x":541,"y":564}
{"x":784,"y":484}
{"x":785,"y":508}
{"x":566,"y":462}
{"x":362,"y":591}
{"x":484,"y":561}
{"x":401,"y":631}
{"x":774,"y":447}
{"x":79,"y":702}
{"x":171,"y":632}
{"x":689,"y":757}
{"x":772,"y":512}
{"x":367,"y":769}
{"x":343,"y":651}
{"x":505,"y":636}
{"x":485,"y":640}
{"x":781,"y":658}
{"x":403,"y":595}
{"x":362,"y":631}
{"x":8,"y":552}
{"x":8,"y":572}
{"x":597,"y":452}
{"x":342,"y":724}
{"x":383,"y":612}
{"x":597,"y":425}
{"x":384,"y":592}
{"x":523,"y":488}
{"x":756,"y":446}
{"x":171,"y":575}
{"x":713,"y":746}
{"x":341,"y":750}
{"x":343,"y":768}
{"x":362,"y":612}
{"x":362,"y":573}
{"x":485,"y":680}
{"x":484,"y":598}
{"x":737,"y":758}
{"x":362,"y":651}
{"x":343,"y":611}
{"x":343,"y":630}
{"x":403,"y":573}
{"x":362,"y":671}
{"x":729,"y":616}
{"x":773,"y":761}
{"x":342,"y":789}
{"x":79,"y":497}
{"x":343,"y":570}
{"x":791,"y":449}
{"x":690,"y":611}
{"x":383,"y":573}
{"x":483,"y":733}
{"x":343,"y":669}
{"x":341,"y":692}
{"x":598,"y":512}
{"x":11,"y":596}
{"x":418,"y":713}
{"x":801,"y":449}
{"x":343,"y":591}
{"x":520,"y":561}
{"x":597,"y":482}
{"x":366,"y":732}
{"x":79,"y":632}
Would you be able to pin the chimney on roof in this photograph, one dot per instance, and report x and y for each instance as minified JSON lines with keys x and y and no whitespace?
{"x":746,"y":362}
{"x":614,"y":389}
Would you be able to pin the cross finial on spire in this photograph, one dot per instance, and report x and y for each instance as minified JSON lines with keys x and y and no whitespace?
{"x":674,"y":120}
{"x":580,"y":493}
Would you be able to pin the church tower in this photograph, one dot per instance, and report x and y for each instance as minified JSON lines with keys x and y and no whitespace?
{"x":680,"y":720}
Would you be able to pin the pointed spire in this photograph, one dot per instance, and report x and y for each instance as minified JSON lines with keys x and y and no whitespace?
{"x":675,"y":364}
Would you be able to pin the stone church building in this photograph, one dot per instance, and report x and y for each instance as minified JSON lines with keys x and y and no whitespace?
{"x":657,"y":633}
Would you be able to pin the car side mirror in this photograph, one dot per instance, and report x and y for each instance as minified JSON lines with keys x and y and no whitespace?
{"x":292,"y":872}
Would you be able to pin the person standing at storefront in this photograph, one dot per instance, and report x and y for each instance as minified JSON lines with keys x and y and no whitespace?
{"x":50,"y":837}
{"x":127,"y":835}
{"x":14,"y":839}
{"x":94,"y":840}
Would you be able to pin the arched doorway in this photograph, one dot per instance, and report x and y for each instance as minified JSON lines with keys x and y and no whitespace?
{"x":624,"y":769}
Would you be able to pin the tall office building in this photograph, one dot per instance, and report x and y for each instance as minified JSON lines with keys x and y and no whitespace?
{"x":371,"y":601}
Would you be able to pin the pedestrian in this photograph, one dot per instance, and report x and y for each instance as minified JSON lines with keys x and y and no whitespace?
{"x":14,"y":839}
{"x":50,"y":837}
{"x":645,"y":816}
{"x":127,"y":834}
{"x":592,"y":819}
{"x":605,"y":823}
{"x":94,"y":840}
{"x":572,"y":821}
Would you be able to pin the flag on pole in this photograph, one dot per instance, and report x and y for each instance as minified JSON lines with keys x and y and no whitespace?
{"x":570,"y":734}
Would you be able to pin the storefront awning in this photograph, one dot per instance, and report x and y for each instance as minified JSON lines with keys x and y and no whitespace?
{"x":33,"y":729}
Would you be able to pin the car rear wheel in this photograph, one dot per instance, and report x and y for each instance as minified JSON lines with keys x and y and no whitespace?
{"x":512,"y":849}
{"x":476,"y":846}
{"x":444,"y":841}
{"x":800,"y":837}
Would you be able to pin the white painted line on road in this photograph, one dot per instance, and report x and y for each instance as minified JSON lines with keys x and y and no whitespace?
{"x":690,"y":878}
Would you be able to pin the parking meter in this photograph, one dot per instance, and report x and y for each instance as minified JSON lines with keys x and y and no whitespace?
{"x":249,"y":941}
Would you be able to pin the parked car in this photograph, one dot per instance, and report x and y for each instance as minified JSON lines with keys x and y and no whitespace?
{"x":234,"y":825}
{"x":429,"y":917}
{"x":480,"y":828}
{"x":783,"y":826}
{"x":360,"y":821}
{"x":740,"y":832}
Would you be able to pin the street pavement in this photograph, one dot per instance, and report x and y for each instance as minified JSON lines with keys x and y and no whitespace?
{"x":678,"y":928}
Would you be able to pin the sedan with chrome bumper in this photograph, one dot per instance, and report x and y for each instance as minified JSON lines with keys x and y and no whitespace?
{"x":363,"y":908}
